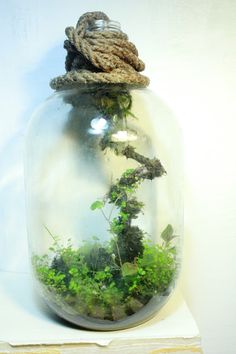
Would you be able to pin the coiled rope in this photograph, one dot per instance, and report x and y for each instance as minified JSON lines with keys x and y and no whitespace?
{"x":99,"y":56}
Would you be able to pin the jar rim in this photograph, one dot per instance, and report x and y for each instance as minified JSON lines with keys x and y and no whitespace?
{"x":104,"y":25}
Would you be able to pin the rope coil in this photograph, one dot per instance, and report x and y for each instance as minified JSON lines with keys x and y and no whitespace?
{"x":99,"y":56}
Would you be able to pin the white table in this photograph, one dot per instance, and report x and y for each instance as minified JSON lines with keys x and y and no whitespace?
{"x":27,"y":326}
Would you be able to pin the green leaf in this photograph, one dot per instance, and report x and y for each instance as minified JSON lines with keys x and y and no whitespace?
{"x":97,"y":205}
{"x":167,"y":233}
{"x":131,"y":114}
{"x":128,"y":172}
{"x":172,"y":250}
{"x":129,"y":269}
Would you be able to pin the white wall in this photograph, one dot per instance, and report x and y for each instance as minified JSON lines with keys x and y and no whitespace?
{"x":190,"y":53}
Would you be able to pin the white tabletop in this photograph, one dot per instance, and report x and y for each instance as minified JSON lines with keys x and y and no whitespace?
{"x":25,"y":320}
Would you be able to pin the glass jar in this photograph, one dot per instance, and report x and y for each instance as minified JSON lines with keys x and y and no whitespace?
{"x":104,"y":199}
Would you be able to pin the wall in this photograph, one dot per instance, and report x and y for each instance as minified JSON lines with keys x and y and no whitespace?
{"x":189,"y":49}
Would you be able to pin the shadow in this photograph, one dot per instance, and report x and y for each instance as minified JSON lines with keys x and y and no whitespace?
{"x":49,"y":313}
{"x":21,"y":291}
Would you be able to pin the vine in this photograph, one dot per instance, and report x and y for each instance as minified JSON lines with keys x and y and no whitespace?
{"x":116,"y":107}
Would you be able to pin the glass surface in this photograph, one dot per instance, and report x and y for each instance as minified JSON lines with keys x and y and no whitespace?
{"x":104,"y":202}
{"x":103,"y":25}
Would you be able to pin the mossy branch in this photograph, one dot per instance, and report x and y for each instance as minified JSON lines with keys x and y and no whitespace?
{"x":128,"y":240}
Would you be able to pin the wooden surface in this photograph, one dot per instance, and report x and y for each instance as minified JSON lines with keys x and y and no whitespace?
{"x":126,"y":347}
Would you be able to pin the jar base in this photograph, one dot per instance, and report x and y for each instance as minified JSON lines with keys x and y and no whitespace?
{"x":89,"y":323}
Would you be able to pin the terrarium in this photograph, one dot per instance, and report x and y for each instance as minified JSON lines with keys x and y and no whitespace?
{"x":103,"y":174}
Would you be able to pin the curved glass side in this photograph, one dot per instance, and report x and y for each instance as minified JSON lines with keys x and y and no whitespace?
{"x":104,"y":201}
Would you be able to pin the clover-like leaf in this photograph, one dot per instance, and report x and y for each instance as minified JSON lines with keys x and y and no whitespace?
{"x":97,"y":205}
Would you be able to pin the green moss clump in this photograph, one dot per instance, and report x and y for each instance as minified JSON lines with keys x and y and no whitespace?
{"x":91,"y":281}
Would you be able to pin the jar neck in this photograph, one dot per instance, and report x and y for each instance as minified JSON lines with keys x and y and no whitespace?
{"x":103,"y":25}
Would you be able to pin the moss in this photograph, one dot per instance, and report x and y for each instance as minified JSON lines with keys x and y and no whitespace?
{"x":89,"y":280}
